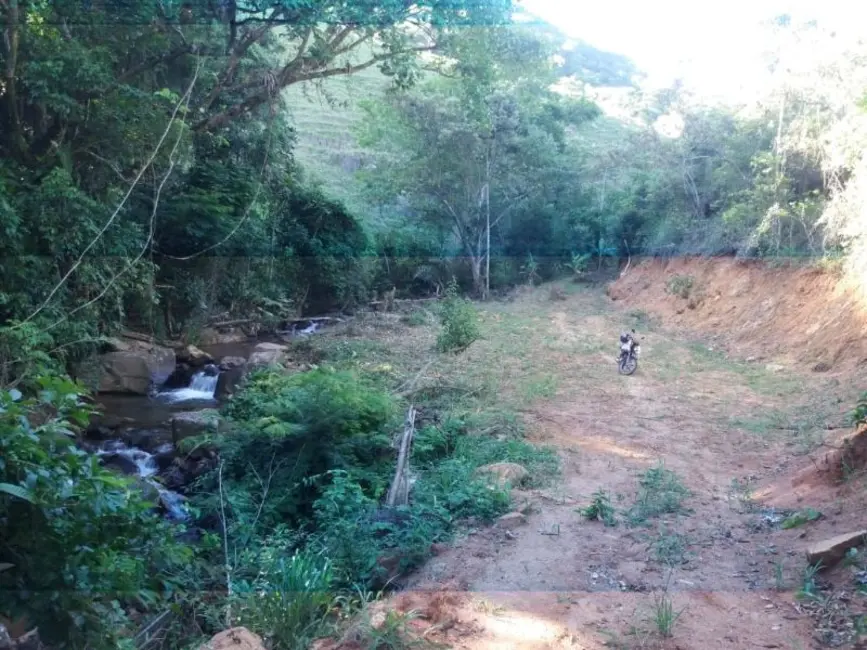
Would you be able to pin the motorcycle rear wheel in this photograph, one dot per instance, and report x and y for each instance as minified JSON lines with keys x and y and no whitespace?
{"x":628,"y":365}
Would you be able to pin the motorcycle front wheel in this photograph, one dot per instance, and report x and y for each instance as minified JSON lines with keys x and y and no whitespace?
{"x":628,"y":365}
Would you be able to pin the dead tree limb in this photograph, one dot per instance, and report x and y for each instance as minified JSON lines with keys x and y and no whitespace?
{"x":398,"y":493}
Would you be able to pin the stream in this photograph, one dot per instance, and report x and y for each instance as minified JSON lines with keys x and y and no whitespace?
{"x":134,"y":434}
{"x":142,"y":446}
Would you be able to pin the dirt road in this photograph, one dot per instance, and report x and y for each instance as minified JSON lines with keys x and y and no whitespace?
{"x":694,"y":559}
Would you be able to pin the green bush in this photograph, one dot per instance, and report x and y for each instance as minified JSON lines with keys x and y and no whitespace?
{"x":859,"y":415}
{"x":80,"y":543}
{"x":460,"y":322}
{"x":290,"y":598}
{"x":288,"y":431}
{"x":680,"y":285}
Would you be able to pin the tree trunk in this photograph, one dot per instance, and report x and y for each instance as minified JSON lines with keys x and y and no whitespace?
{"x":488,"y":243}
{"x":478,"y":284}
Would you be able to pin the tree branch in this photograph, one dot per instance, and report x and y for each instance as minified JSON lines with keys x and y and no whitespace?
{"x":155,"y":61}
{"x":288,"y":77}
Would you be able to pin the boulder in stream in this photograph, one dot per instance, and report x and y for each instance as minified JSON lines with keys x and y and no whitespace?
{"x":194,"y":423}
{"x":266,"y":354}
{"x":135,"y":369}
{"x":194,"y":356}
{"x":230,"y":363}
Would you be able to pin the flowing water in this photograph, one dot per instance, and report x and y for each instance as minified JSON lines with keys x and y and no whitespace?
{"x":146,"y":423}
{"x":144,"y":465}
{"x":202,"y":387}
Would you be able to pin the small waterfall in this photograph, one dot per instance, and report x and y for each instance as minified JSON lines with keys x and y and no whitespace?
{"x":144,"y":462}
{"x":134,"y":461}
{"x":202,"y":387}
{"x":173,"y":503}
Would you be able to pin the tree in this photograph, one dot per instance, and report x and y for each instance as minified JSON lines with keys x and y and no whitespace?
{"x":471,"y":149}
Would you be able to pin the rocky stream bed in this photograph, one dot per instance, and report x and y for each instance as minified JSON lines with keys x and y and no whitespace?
{"x":151,"y":397}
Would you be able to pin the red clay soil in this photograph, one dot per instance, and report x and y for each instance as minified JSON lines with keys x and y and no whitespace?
{"x":803,"y":313}
{"x":726,"y":568}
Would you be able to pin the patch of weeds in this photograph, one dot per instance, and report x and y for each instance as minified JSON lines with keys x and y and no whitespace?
{"x":342,"y":352}
{"x":742,"y":492}
{"x":290,"y":598}
{"x":859,"y":413}
{"x":543,"y":387}
{"x":830,"y":265}
{"x":643,"y":320}
{"x":660,"y":492}
{"x":460,"y":322}
{"x":541,"y":462}
{"x":417,"y":318}
{"x":391,"y":632}
{"x":600,"y":509}
{"x":664,"y":615}
{"x":669,"y":548}
{"x":779,"y":576}
{"x":809,"y":589}
{"x":487,"y":607}
{"x":680,"y":285}
{"x":800,"y":518}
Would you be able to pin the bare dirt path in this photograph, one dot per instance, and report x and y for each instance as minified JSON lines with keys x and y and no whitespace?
{"x":719,"y":560}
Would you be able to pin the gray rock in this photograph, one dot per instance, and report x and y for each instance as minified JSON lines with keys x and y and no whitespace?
{"x":266,"y":354}
{"x":194,"y":423}
{"x":830,"y":551}
{"x":135,"y":369}
{"x":194,"y":356}
{"x":511,"y":520}
{"x":229,"y":363}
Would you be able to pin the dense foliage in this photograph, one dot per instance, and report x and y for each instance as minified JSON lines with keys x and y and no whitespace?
{"x":149,"y":179}
{"x":147,"y":176}
{"x":80,"y":544}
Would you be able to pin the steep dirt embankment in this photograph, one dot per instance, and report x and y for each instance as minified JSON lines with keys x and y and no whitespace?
{"x":803,"y":314}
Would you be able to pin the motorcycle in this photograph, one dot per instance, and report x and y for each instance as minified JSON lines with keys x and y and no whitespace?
{"x":627,"y":363}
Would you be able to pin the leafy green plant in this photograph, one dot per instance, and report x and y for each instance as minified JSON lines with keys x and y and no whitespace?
{"x":578,"y":265}
{"x":290,"y":599}
{"x":530,"y":270}
{"x":800,"y":518}
{"x":286,"y":431}
{"x":809,"y":587}
{"x":669,"y":547}
{"x":664,"y":615}
{"x":660,"y":492}
{"x":680,"y":285}
{"x":859,"y":414}
{"x":83,"y":543}
{"x":459,"y":321}
{"x":600,"y":509}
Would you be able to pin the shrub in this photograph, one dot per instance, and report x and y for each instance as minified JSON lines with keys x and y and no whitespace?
{"x":680,"y":285}
{"x":287,"y":431}
{"x":859,"y":415}
{"x":290,"y":599}
{"x":81,"y":543}
{"x":459,"y":319}
{"x":578,"y":265}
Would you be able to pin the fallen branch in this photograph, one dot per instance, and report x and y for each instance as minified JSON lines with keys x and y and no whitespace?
{"x":399,"y":490}
{"x":317,"y":319}
{"x":233,"y":323}
{"x":136,"y":336}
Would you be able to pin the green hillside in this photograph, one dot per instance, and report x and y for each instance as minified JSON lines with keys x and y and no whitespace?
{"x":324,"y":117}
